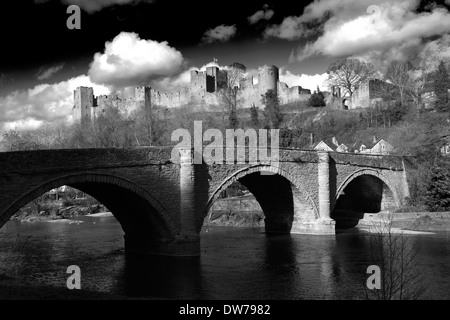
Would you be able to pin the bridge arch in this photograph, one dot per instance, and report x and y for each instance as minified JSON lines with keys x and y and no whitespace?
{"x":280,"y":192}
{"x":139,"y":213}
{"x":364,"y":191}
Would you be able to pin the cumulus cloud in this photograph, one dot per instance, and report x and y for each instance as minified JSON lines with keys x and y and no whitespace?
{"x":289,"y":29}
{"x":129,"y":60}
{"x":265,"y":14}
{"x":382,"y":33}
{"x":316,"y":14}
{"x":44,"y":74}
{"x":392,"y":29}
{"x":28,"y":109}
{"x":220,"y":33}
{"x":46,"y":103}
{"x":173,"y":84}
{"x":126,"y":61}
{"x":306,"y":81}
{"x":92,"y":6}
{"x":435,"y":51}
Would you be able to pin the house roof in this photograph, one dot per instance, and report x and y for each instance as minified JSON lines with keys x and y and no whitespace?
{"x":367,"y":142}
{"x":328,"y":143}
{"x":352,"y":146}
{"x":383,"y":141}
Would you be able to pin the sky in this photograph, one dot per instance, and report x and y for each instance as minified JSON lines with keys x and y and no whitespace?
{"x":125,"y":43}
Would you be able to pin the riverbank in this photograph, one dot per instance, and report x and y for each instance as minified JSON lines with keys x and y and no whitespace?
{"x":245,"y":211}
{"x":423,"y":221}
{"x":412,"y":221}
{"x":59,"y":210}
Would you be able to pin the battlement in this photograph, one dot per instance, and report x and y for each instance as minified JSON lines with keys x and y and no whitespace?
{"x":203,"y":89}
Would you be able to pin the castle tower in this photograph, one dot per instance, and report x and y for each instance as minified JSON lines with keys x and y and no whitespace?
{"x":198,"y":84}
{"x":211,"y":79}
{"x":267,"y":79}
{"x":142,"y":96}
{"x":83,"y":98}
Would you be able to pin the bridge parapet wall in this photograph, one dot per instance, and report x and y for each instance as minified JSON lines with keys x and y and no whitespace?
{"x":79,"y":159}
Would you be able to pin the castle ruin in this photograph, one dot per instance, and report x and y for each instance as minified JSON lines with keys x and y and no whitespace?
{"x":367,"y":95}
{"x":203,"y":89}
{"x":371,"y":92}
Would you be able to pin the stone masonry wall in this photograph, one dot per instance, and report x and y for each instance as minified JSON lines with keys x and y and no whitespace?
{"x":203,"y":90}
{"x":151,"y":175}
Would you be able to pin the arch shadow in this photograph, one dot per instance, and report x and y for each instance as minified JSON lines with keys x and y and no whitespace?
{"x":364,"y":191}
{"x":138,"y":212}
{"x":279,"y":197}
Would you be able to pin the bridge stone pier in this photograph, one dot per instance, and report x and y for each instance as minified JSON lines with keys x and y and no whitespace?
{"x":161,"y":203}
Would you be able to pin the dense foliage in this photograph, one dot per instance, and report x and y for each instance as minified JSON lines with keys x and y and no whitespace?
{"x":317,"y":99}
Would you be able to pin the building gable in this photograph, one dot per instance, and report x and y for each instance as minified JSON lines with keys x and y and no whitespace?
{"x":323,"y":146}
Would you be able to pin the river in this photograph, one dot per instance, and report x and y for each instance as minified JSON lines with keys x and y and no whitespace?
{"x":235,"y":263}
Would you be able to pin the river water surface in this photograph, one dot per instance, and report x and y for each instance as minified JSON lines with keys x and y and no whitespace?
{"x":235,"y":263}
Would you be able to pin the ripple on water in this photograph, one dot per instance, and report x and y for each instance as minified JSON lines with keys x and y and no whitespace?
{"x":235,"y":263}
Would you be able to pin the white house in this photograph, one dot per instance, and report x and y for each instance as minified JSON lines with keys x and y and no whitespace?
{"x":382,"y":147}
{"x":377,"y":146}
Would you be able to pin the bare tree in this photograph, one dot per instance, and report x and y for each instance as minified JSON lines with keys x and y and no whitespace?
{"x":350,"y":73}
{"x":13,"y":140}
{"x":395,"y":254}
{"x":229,"y":94}
{"x":83,"y":136}
{"x":61,"y":134}
{"x":113,"y":128}
{"x":419,"y":79}
{"x":150,"y":125}
{"x":399,"y":73}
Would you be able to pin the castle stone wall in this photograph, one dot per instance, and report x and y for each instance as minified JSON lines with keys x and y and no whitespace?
{"x":203,"y":90}
{"x":372,"y":92}
{"x":293,"y":94}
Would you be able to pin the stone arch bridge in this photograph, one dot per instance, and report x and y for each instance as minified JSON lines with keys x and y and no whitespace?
{"x":161,"y":204}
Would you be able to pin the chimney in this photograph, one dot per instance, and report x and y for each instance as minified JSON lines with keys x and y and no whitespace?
{"x":374,"y":139}
{"x":311,"y":138}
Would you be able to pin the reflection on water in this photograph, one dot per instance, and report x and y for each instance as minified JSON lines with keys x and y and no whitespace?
{"x":234,"y":263}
